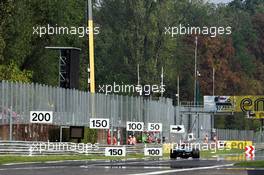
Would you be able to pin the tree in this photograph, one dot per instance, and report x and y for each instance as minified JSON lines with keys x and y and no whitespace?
{"x":12,"y":72}
{"x":5,"y":8}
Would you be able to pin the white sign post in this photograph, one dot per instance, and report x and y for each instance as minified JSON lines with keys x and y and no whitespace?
{"x":178,"y":129}
{"x":115,"y":151}
{"x":155,"y":127}
{"x":99,"y":123}
{"x":45,"y":117}
{"x":135,"y":126}
{"x":153,"y":152}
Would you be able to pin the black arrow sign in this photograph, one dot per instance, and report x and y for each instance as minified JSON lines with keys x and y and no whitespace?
{"x":177,"y":129}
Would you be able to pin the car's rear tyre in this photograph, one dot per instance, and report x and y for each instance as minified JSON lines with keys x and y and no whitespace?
{"x":196,"y":153}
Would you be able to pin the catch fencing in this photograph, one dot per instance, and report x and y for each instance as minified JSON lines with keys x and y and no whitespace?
{"x":229,"y":134}
{"x":74,"y":107}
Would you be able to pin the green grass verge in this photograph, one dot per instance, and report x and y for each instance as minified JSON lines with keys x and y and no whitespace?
{"x":257,"y":164}
{"x":209,"y":154}
{"x":4,"y":159}
{"x":15,"y":159}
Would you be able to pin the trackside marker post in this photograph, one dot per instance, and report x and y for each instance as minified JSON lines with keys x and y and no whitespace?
{"x":250,"y":152}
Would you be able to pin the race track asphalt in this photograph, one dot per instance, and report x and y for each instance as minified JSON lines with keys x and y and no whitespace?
{"x":131,"y":167}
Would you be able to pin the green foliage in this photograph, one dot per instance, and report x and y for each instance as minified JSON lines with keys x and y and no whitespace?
{"x":90,"y":136}
{"x":20,"y":158}
{"x":236,"y":121}
{"x":12,"y":72}
{"x":211,"y":153}
{"x":131,"y":33}
{"x":253,"y":164}
{"x":28,"y":50}
{"x":5,"y":8}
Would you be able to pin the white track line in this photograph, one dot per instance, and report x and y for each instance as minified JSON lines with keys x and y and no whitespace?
{"x":20,"y":163}
{"x":120,"y":163}
{"x":182,"y":170}
{"x":31,"y":168}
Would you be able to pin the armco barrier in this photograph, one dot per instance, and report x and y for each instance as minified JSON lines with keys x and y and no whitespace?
{"x":59,"y":148}
{"x":69,"y":148}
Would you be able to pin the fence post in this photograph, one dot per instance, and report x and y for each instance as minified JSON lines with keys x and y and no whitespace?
{"x":10,"y":125}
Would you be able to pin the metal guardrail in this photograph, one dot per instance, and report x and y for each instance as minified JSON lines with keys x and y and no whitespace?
{"x":60,"y":148}
{"x":259,"y":146}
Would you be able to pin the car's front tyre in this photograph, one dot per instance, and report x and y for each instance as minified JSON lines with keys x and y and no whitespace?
{"x":172,"y":154}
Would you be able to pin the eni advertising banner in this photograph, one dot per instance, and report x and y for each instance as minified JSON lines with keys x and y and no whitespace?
{"x":252,"y":105}
{"x":257,"y":114}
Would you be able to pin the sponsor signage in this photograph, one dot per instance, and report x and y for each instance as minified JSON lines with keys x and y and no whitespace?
{"x":219,"y":103}
{"x":252,"y":105}
{"x":237,"y":144}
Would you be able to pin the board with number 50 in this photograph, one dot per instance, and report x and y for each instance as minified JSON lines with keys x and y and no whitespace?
{"x":155,"y":127}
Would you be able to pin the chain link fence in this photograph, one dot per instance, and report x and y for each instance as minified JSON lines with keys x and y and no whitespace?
{"x":229,"y":134}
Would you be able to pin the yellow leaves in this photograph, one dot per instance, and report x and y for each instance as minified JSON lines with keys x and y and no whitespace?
{"x":12,"y":72}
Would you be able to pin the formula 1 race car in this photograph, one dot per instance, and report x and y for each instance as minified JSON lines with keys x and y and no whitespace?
{"x":185,"y":152}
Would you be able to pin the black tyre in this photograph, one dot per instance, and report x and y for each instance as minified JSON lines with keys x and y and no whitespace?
{"x":196,"y":153}
{"x":172,"y":155}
